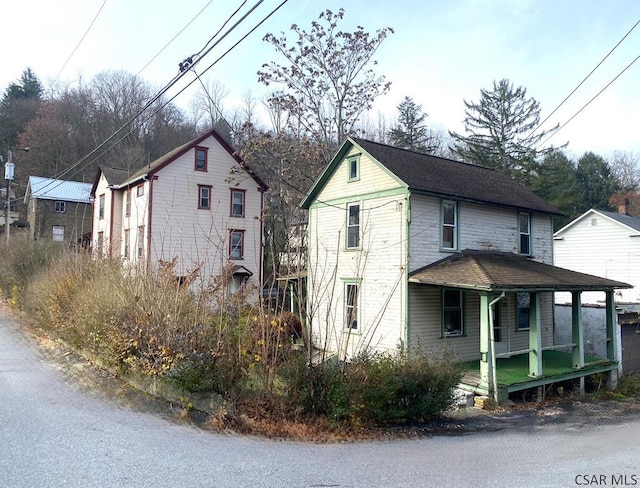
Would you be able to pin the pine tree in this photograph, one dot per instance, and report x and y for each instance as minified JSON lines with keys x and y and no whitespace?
{"x":410,"y":132}
{"x":500,"y":130}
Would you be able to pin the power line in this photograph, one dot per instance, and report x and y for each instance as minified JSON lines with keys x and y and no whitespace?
{"x":581,"y":83}
{"x":587,"y":104}
{"x":130,"y":122}
{"x":176,"y":36}
{"x":81,"y":40}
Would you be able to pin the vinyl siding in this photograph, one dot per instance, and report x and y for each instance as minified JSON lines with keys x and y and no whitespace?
{"x":606,"y":249}
{"x":479,"y":227}
{"x":425,"y":324}
{"x":199,"y":238}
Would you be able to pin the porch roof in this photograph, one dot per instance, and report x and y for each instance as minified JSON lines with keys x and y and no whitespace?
{"x":503,"y":271}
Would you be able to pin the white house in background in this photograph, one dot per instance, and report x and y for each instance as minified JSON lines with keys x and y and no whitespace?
{"x":198,"y":205}
{"x":59,"y":210}
{"x":411,"y":252}
{"x":605,"y":244}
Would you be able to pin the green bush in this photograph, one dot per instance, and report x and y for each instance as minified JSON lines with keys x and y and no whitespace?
{"x":375,"y":389}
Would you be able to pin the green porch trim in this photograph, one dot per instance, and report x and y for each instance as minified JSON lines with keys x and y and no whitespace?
{"x":577,"y":332}
{"x":612,"y":336}
{"x":513,"y":373}
{"x":535,"y":336}
{"x":362,"y":196}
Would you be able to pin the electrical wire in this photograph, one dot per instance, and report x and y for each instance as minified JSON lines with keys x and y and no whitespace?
{"x":581,"y":83}
{"x":130,"y":122}
{"x":80,"y":42}
{"x":169,"y":85}
{"x":589,"y":102}
{"x":175,"y":37}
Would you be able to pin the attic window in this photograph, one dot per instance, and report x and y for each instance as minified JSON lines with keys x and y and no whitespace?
{"x":201,"y":159}
{"x":594,"y":222}
{"x":353,"y":167}
{"x":60,"y":207}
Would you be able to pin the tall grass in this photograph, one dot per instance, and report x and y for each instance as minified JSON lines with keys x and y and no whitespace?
{"x":151,"y":323}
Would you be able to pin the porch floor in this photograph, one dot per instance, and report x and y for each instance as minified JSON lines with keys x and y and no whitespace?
{"x":513,"y":373}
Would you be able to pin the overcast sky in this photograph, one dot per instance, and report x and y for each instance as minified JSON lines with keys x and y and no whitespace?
{"x":442,"y":52}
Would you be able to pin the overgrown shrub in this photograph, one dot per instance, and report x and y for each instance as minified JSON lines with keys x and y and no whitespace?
{"x":375,"y":388}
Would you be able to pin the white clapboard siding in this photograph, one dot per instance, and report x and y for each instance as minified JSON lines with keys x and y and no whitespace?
{"x":598,"y":245}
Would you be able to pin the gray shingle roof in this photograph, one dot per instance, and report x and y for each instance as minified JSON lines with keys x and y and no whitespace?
{"x":51,"y":189}
{"x":628,"y":220}
{"x":490,"y":270}
{"x":437,"y":176}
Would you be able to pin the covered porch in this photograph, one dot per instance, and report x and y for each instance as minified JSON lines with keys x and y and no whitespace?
{"x":493,"y":275}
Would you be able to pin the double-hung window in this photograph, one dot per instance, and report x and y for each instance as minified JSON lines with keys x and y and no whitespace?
{"x":449,"y":226}
{"x":452,"y":313}
{"x":140,"y":241}
{"x":237,"y":203}
{"x":353,"y":167}
{"x":101,"y":207}
{"x":200,"y":163}
{"x":236,"y":244}
{"x":523,"y":309}
{"x":353,"y":225}
{"x":351,"y":306}
{"x":127,"y":205}
{"x":524,"y":232}
{"x":204,"y":197}
{"x":127,"y":243}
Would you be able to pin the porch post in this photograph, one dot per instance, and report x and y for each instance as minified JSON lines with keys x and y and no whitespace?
{"x":612,"y":332}
{"x":486,"y":363}
{"x":535,"y":336}
{"x":577,"y":333}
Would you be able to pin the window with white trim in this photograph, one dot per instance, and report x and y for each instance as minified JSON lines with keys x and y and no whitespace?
{"x":449,"y":225}
{"x":101,"y":207}
{"x":60,"y":207}
{"x":58,"y":233}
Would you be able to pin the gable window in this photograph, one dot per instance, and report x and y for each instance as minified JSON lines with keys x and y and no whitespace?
{"x":126,"y":243}
{"x":58,"y":233}
{"x":236,"y":244}
{"x":140,"y":243}
{"x":524,"y":231}
{"x":523,"y":308}
{"x":204,"y":197}
{"x":140,"y":190}
{"x":449,"y":225}
{"x":127,"y":204}
{"x":101,"y":207}
{"x":60,"y":207}
{"x":201,"y":159}
{"x":452,"y":313}
{"x":353,"y":166}
{"x":351,"y":306}
{"x":237,"y":203}
{"x":353,"y":225}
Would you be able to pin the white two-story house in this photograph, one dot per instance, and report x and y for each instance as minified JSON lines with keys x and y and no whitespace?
{"x":411,"y":252}
{"x":198,"y":206}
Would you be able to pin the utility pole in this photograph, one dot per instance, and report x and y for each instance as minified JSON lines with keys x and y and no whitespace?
{"x":9,"y":173}
{"x":9,"y":169}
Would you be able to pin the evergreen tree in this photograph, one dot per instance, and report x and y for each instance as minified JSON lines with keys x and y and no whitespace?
{"x":500,"y":131}
{"x":410,"y":132}
{"x":596,"y":181}
{"x":19,"y":105}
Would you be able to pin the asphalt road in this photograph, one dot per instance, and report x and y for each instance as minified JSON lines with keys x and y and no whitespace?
{"x":55,"y":432}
